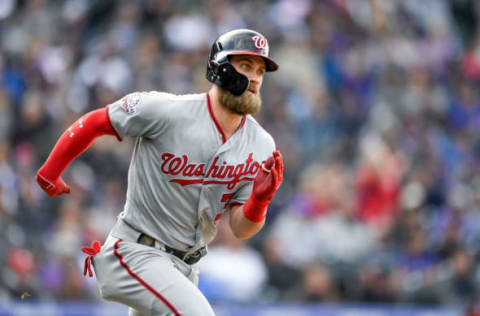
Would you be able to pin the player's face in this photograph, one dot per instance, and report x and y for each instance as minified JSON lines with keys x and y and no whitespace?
{"x":250,"y":101}
{"x":251,"y":66}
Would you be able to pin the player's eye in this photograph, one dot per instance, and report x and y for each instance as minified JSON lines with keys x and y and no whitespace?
{"x":245,"y":66}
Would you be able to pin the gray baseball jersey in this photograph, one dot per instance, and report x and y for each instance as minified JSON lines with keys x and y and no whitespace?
{"x":184,"y":174}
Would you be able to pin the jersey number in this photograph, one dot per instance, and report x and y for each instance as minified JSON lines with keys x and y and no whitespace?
{"x":225,"y":198}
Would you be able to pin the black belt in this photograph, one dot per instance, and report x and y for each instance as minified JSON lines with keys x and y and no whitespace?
{"x":188,"y":258}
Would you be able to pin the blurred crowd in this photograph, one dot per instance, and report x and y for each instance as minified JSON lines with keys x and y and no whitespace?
{"x":375,"y":108}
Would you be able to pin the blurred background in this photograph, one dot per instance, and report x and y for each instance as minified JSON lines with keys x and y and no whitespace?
{"x":376,"y":109}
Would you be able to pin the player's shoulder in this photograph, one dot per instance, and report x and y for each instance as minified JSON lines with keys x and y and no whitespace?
{"x":160,"y":96}
{"x":161,"y":103}
{"x":257,"y":132}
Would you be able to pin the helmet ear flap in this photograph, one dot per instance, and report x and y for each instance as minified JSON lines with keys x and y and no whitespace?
{"x":212,"y":68}
{"x":232,"y":80}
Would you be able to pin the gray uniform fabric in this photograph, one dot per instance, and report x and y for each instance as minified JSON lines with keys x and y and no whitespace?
{"x":183,"y":177}
{"x":150,"y":281}
{"x":181,"y":174}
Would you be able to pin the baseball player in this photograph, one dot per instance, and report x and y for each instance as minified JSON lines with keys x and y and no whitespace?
{"x":196,"y":157}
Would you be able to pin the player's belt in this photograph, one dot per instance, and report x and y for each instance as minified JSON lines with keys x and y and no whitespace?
{"x":186,"y":256}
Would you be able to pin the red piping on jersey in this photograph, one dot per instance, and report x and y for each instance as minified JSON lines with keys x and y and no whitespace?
{"x":243,"y":121}
{"x":143,"y":282}
{"x":210,"y":110}
{"x":110,"y":122}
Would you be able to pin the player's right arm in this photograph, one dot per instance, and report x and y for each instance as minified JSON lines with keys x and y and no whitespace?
{"x":75,"y":140}
{"x":248,"y":219}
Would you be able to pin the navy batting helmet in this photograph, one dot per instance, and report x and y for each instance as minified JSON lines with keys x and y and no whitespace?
{"x":236,"y":42}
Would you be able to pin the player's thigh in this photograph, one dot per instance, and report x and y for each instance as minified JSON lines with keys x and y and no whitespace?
{"x":186,"y":298}
{"x":148,"y":281}
{"x":172,"y":292}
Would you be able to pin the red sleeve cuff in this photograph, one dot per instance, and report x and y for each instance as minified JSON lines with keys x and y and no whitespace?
{"x":255,"y":210}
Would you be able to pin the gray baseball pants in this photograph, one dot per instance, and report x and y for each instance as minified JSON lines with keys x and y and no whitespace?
{"x":148,"y":280}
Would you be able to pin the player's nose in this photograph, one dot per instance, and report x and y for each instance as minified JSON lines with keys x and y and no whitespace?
{"x":255,"y":80}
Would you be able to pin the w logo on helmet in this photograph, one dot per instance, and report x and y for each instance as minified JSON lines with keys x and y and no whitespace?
{"x":259,"y":42}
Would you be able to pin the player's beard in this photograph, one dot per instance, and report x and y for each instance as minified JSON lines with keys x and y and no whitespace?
{"x":247,"y":103}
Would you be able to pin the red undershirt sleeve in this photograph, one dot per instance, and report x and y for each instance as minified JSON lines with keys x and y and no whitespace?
{"x":75,"y":140}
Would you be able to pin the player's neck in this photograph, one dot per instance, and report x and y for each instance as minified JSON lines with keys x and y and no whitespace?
{"x":229,"y":121}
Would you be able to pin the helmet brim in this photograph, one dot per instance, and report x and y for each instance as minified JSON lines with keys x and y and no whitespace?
{"x":270,"y":64}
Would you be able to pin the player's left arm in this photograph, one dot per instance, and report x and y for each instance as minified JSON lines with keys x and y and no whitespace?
{"x":74,"y":141}
{"x":246,"y":220}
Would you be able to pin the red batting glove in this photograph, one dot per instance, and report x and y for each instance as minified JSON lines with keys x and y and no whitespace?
{"x":264,"y":187}
{"x":54,"y":188}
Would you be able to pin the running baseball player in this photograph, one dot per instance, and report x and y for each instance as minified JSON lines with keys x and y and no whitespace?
{"x":196,"y":157}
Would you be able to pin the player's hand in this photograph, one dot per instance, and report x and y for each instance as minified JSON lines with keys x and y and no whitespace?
{"x":269,"y":178}
{"x":56,"y":188}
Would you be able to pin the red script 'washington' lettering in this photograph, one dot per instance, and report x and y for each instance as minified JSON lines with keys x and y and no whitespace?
{"x":217,"y":173}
